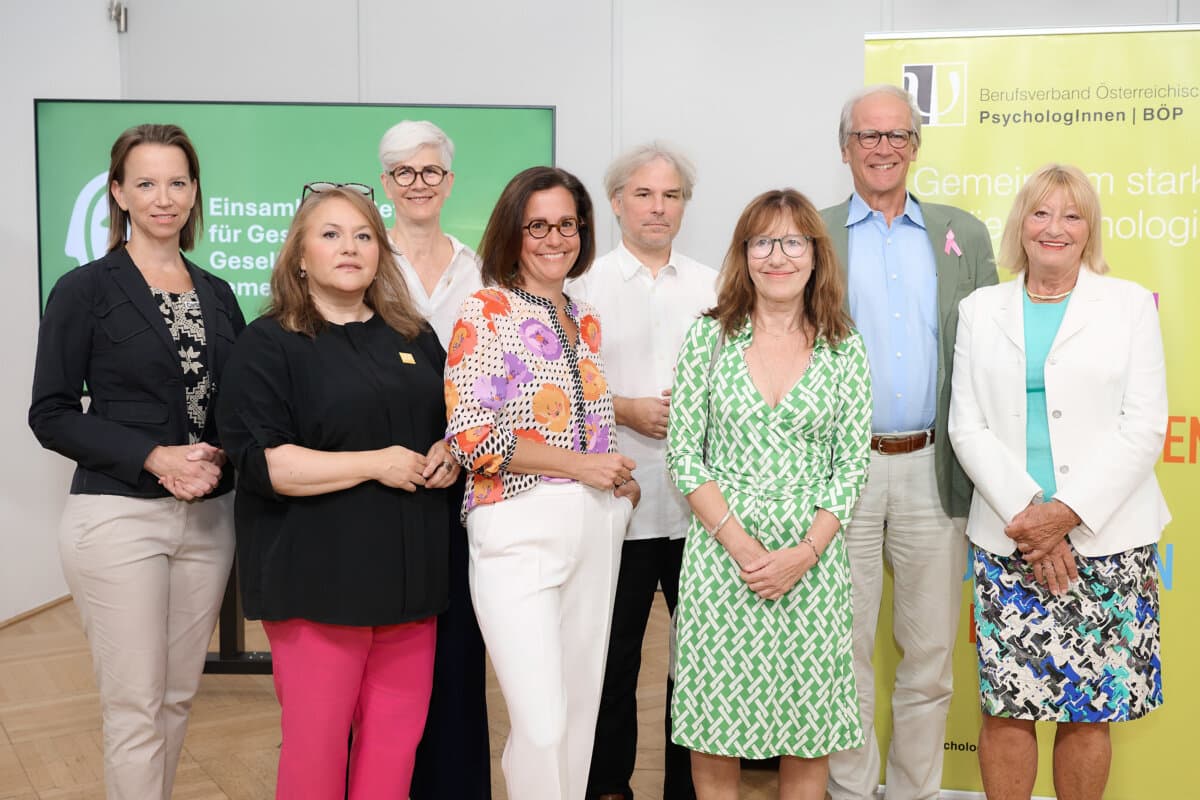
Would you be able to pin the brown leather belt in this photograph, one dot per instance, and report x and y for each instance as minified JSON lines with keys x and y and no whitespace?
{"x":889,"y":445}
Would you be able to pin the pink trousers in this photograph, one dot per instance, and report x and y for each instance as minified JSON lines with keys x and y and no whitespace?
{"x":331,"y":679}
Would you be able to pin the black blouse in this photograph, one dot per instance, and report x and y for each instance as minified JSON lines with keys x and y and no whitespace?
{"x":368,"y":555}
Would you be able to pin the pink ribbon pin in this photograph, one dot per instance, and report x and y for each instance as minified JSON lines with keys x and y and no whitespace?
{"x":951,"y":245}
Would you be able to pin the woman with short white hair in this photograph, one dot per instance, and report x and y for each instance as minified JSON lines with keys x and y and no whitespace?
{"x":454,"y":759}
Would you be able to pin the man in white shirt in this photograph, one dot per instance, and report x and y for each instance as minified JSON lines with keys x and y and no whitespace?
{"x":648,"y":295}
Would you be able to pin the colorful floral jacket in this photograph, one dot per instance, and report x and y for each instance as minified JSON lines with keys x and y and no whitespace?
{"x":510,"y":372}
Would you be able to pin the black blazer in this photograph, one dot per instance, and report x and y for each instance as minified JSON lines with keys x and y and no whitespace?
{"x":102,"y":327}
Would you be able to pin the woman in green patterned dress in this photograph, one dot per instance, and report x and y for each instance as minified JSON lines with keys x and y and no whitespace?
{"x":768,"y":439}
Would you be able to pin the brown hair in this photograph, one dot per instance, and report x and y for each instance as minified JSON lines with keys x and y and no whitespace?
{"x":171,"y":136}
{"x":1040,"y":184}
{"x":292,"y":305}
{"x":823,"y":298}
{"x":500,"y":247}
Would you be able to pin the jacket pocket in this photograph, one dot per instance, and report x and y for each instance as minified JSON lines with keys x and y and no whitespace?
{"x":137,"y":412}
{"x":122,"y":321}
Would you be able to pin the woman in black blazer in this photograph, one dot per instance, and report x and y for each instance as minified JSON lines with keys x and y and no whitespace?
{"x":147,"y":532}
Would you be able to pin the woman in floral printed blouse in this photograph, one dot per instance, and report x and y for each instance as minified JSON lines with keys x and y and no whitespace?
{"x":548,"y":495}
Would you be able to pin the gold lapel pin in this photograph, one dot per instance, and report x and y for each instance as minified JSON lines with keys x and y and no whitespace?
{"x":407,"y":358}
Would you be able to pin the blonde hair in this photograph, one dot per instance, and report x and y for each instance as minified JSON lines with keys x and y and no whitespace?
{"x":1040,"y":184}
{"x":292,"y":305}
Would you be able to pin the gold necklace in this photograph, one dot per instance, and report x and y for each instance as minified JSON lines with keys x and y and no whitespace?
{"x":1047,"y":298}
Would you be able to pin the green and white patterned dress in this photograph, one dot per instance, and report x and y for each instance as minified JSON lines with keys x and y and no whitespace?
{"x":758,"y":678}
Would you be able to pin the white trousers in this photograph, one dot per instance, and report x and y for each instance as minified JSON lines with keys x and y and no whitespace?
{"x":543,"y":575}
{"x":900,"y":518}
{"x":147,"y":576}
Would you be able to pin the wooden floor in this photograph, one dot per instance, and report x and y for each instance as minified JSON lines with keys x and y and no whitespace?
{"x":50,"y":744}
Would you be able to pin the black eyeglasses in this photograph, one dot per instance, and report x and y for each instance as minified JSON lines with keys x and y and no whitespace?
{"x":431,"y":175}
{"x":870,"y":139}
{"x":567,"y":227}
{"x":316,"y":187}
{"x":762,"y":246}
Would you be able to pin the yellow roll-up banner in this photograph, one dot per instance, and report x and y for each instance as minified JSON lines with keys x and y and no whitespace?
{"x":1124,"y":106}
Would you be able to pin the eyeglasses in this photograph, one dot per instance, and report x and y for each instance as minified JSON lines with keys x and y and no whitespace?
{"x":316,"y":187}
{"x":431,"y":175}
{"x":763,"y":246}
{"x":567,"y":227}
{"x":870,"y":139}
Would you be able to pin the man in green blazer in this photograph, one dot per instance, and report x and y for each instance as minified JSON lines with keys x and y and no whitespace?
{"x":907,"y":265}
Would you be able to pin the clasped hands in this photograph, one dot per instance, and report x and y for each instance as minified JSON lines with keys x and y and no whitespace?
{"x":187,"y":471}
{"x":1040,"y":531}
{"x":401,"y":468}
{"x":770,"y":574}
{"x":647,"y":415}
{"x":610,"y":471}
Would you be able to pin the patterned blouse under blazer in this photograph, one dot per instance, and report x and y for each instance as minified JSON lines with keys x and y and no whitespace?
{"x":510,"y":372}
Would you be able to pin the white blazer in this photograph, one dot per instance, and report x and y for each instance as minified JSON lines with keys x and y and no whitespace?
{"x":1106,"y":402}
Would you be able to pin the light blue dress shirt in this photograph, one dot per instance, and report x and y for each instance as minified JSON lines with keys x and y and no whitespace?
{"x":893,"y":300}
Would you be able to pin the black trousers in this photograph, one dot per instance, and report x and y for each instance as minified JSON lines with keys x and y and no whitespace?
{"x":644,"y":565}
{"x":454,"y":760}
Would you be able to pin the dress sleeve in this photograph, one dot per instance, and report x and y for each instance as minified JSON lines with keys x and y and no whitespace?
{"x":475,"y":430}
{"x":256,"y":408}
{"x":64,"y":353}
{"x":851,"y":453}
{"x":689,"y":407}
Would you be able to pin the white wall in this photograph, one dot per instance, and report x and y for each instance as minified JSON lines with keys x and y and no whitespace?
{"x":750,"y":89}
{"x":58,"y":48}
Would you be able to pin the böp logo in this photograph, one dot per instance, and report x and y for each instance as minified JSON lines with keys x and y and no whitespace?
{"x":87,"y":232}
{"x":940,"y":91}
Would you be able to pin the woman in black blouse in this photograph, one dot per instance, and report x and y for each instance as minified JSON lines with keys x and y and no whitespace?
{"x":333,"y":412}
{"x":149,"y":333}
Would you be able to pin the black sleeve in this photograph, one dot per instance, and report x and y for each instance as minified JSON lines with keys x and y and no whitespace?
{"x":61,"y":368}
{"x":255,"y":409}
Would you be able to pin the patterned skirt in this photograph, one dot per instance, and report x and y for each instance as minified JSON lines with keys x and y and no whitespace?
{"x":1090,"y":655}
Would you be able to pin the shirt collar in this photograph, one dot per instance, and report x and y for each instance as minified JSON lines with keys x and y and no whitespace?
{"x":629,"y":264}
{"x":538,"y":300}
{"x":456,"y":247}
{"x":859,"y":210}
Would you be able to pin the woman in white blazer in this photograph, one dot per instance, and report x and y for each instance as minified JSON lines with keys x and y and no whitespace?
{"x":1058,"y":414}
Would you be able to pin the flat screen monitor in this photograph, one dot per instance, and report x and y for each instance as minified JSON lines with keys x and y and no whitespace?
{"x":254,"y":160}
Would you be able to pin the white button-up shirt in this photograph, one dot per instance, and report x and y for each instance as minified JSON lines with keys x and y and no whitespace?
{"x":644,"y":321}
{"x":459,"y":281}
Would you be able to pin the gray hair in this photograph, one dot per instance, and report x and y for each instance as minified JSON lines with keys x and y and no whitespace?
{"x":403,"y":140}
{"x":623,"y":166}
{"x":847,"y":121}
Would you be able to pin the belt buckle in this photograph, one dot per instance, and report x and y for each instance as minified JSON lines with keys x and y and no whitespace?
{"x":884,"y":441}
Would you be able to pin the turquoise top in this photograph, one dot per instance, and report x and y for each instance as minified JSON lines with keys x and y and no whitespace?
{"x":1041,"y":326}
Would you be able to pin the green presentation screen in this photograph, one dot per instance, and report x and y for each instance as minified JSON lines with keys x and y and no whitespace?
{"x":254,"y":160}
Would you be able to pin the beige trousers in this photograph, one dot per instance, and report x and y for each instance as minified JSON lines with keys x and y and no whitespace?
{"x":900,"y":518}
{"x":147,"y":576}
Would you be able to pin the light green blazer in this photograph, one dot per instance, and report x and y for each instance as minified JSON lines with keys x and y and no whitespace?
{"x":957,"y":277}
